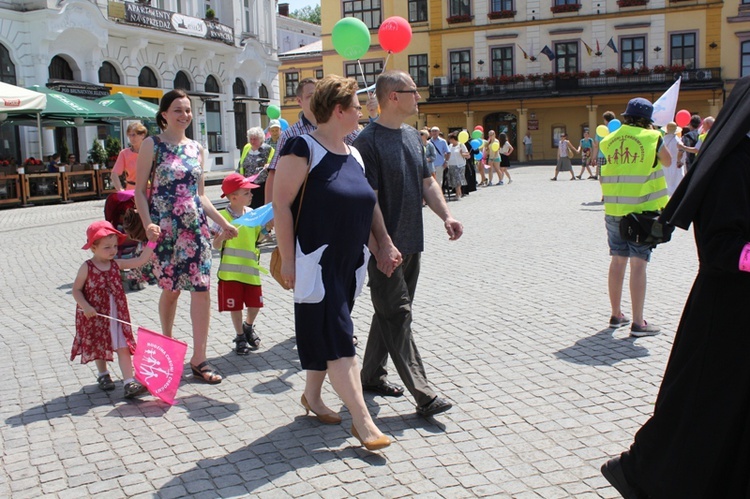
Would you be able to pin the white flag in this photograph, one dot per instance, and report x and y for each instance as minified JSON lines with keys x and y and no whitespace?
{"x":666,"y":105}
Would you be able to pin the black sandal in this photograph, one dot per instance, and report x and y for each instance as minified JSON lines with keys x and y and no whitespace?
{"x":385,"y":389}
{"x":206,"y":372}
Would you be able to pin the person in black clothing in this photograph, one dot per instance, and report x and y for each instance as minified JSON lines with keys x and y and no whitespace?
{"x":697,"y":442}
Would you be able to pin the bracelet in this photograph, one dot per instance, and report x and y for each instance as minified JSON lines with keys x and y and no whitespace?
{"x":745,"y":258}
{"x":151,"y":245}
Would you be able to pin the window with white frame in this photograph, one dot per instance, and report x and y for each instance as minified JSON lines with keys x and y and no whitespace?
{"x":460,"y":64}
{"x":682,"y":49}
{"x":372,"y":70}
{"x":745,"y":58}
{"x":367,"y":11}
{"x":291,"y":81}
{"x":459,"y":8}
{"x":502,"y":61}
{"x":417,"y":11}
{"x":418,"y":69}
{"x":566,"y":57}
{"x":633,"y":52}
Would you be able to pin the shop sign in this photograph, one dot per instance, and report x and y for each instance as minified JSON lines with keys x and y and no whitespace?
{"x":164,"y":20}
{"x":533,"y":125}
{"x":79,"y":89}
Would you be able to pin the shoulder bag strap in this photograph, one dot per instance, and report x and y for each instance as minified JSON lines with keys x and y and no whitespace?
{"x":304,"y":184}
{"x":151,"y":176}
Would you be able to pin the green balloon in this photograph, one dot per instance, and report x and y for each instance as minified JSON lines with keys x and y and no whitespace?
{"x":476,"y":134}
{"x":350,"y":38}
{"x":273,"y":112}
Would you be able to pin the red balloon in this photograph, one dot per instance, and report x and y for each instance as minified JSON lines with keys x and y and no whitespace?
{"x":394,"y":34}
{"x":682,"y":118}
{"x":479,"y":127}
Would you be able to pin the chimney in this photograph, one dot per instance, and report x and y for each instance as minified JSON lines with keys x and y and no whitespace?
{"x":284,"y":9}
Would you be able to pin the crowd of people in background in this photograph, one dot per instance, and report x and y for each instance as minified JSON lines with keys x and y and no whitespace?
{"x":346,"y":207}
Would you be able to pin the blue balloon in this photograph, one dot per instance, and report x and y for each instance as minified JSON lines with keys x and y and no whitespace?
{"x":284,"y":124}
{"x":478,"y":156}
{"x":475,"y":143}
{"x":614,"y":125}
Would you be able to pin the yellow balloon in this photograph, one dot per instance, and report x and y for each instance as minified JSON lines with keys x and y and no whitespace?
{"x":463,"y":136}
{"x":495,"y":146}
{"x":602,"y":130}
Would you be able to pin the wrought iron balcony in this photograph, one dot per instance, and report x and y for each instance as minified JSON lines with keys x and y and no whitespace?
{"x":571,"y":84}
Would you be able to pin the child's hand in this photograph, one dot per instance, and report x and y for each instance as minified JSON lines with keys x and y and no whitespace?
{"x":89,"y":311}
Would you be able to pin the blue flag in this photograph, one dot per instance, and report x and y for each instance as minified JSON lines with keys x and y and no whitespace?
{"x":611,"y":44}
{"x":256,"y":218}
{"x":548,"y":52}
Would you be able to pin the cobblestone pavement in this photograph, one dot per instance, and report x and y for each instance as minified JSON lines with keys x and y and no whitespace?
{"x":511,"y":322}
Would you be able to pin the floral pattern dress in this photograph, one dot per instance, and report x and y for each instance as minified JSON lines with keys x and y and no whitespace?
{"x":93,"y":335}
{"x":182,"y":259}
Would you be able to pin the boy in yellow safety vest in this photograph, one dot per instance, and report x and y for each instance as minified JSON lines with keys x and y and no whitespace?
{"x":239,"y":270}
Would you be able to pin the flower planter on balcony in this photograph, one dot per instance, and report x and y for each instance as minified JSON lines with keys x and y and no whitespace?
{"x":459,"y":19}
{"x":502,"y":14}
{"x":631,"y":3}
{"x":570,"y":7}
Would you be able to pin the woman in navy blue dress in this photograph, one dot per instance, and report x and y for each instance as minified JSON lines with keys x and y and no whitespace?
{"x":327,"y":260}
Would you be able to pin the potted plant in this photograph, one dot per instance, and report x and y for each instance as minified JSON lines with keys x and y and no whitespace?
{"x":627,"y":71}
{"x":210,"y":14}
{"x":464,"y":81}
{"x":97,"y":154}
{"x":113,"y":147}
{"x":610,"y":72}
{"x":595,"y":73}
{"x":534,"y":77}
{"x":659,"y":69}
{"x":643,"y":70}
{"x":493,"y":80}
{"x":676,"y":68}
{"x":519,"y":78}
{"x":548,"y":76}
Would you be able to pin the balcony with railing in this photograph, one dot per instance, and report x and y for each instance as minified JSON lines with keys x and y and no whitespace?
{"x":594,"y":82}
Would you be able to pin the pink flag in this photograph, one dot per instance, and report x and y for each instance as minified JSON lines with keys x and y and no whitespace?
{"x":158,"y":363}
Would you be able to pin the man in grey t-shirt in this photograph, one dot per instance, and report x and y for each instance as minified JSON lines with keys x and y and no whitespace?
{"x":396,"y":169}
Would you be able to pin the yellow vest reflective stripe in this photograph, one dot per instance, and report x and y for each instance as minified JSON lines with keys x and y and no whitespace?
{"x":239,"y":257}
{"x":630,"y":182}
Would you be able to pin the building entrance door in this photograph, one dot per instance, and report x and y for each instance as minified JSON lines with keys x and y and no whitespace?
{"x":506,"y":123}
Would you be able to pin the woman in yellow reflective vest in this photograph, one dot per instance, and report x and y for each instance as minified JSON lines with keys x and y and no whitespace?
{"x":632,"y":182}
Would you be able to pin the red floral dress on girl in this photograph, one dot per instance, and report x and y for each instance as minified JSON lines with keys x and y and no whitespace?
{"x":94,"y":336}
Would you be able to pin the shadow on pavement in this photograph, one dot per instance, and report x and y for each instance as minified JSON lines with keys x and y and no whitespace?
{"x":280,"y":357}
{"x":301,"y":444}
{"x":602,"y":349}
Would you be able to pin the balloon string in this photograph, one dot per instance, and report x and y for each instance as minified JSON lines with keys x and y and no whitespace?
{"x":362,"y":72}
{"x":385,"y":64}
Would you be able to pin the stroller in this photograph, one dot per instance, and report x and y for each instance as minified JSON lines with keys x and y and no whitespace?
{"x":115,"y":207}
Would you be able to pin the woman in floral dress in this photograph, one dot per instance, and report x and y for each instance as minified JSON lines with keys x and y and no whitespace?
{"x":176,"y":219}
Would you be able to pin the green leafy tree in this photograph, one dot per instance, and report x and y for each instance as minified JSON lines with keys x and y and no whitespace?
{"x":307,"y":13}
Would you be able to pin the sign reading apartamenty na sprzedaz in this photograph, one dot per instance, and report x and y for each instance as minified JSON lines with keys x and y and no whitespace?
{"x":164,"y":20}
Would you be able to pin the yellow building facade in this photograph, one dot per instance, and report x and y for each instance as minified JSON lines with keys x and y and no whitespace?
{"x":547,"y":67}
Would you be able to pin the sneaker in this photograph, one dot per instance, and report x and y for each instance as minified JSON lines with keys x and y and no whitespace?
{"x":105,"y":383}
{"x":500,"y":183}
{"x":241,"y":346}
{"x":616,"y":322}
{"x":133,"y":389}
{"x":437,"y":406}
{"x":253,"y":340}
{"x":645,"y":330}
{"x":489,"y":184}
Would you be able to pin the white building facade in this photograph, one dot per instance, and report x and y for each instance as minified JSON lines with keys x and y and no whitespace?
{"x":294,"y":33}
{"x":227,"y":64}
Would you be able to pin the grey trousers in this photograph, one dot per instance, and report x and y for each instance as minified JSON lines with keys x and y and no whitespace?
{"x":390,"y":332}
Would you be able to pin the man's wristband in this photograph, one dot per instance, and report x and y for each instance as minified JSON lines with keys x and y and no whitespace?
{"x":151,"y":245}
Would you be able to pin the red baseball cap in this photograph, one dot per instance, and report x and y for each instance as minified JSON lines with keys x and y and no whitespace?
{"x":235,"y":181}
{"x":100,"y":229}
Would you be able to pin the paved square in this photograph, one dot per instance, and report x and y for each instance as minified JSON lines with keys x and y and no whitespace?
{"x":511,"y":322}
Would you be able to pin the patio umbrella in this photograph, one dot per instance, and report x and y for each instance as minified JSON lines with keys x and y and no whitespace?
{"x":131,"y":107}
{"x":65,"y":106}
{"x":15,"y":100}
